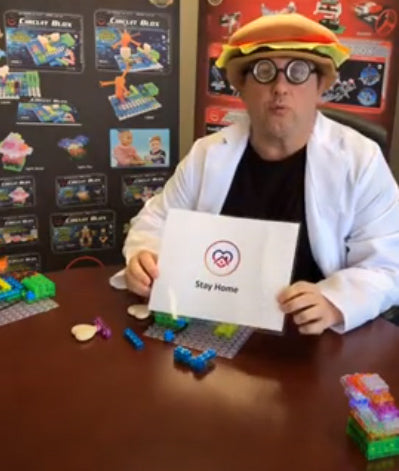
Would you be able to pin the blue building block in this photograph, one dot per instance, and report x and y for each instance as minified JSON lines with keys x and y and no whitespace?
{"x":11,"y":295}
{"x":10,"y":289}
{"x":29,"y":296}
{"x":200,"y":363}
{"x":209,"y":354}
{"x":181,"y":323}
{"x":182,"y":355}
{"x":133,"y":338}
{"x":13,"y":282}
{"x":168,"y":335}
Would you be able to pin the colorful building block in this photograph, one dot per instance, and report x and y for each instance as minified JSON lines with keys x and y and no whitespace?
{"x":374,"y":419}
{"x":201,"y":363}
{"x":372,"y":449}
{"x":226,"y":330}
{"x":182,"y":355}
{"x":174,"y":323}
{"x":38,"y":287}
{"x":102,"y":328}
{"x":168,"y":335}
{"x":10,"y":289}
{"x":133,"y":339}
{"x":198,"y":364}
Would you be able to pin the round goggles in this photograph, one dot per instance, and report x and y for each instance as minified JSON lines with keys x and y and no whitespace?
{"x":296,"y":71}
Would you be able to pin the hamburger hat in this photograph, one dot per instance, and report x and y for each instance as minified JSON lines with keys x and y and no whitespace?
{"x":282,"y":35}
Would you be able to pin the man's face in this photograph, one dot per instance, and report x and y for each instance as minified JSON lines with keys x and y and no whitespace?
{"x":126,"y":138}
{"x":280,"y":109}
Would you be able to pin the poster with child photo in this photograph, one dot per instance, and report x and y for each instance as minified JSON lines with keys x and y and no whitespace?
{"x":139,"y":148}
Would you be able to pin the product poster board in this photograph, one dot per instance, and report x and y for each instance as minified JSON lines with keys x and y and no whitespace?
{"x":89,"y":124}
{"x":367,"y":83}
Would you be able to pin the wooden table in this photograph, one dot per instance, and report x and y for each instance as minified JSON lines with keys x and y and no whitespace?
{"x":104,"y":406}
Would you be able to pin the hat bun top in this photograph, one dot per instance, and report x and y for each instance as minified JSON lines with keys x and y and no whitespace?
{"x":291,"y":27}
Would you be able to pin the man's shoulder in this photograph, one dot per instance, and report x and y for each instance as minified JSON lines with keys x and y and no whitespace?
{"x":227,"y":135}
{"x":339,"y":151}
{"x":342,"y":139}
{"x":223,"y":148}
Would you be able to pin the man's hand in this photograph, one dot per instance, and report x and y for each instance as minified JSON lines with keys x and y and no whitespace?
{"x":141,"y":270}
{"x":311,"y":311}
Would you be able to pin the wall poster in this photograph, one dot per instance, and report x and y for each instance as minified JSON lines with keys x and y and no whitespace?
{"x":89,"y":124}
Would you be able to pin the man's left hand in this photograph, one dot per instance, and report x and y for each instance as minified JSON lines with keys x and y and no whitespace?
{"x":311,"y":311}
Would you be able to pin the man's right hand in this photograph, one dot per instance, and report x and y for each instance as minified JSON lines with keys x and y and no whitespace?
{"x":141,"y":271}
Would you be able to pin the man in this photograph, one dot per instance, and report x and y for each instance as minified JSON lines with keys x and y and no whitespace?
{"x":290,"y":163}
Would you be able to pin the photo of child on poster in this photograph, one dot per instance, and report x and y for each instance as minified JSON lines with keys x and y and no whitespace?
{"x":139,"y":148}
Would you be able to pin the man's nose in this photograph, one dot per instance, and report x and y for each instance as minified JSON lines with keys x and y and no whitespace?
{"x":280,"y":84}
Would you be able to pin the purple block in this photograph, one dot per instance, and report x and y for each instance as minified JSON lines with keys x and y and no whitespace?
{"x":102,"y":328}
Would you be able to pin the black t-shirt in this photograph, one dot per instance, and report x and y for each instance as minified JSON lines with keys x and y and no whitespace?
{"x":274,"y":190}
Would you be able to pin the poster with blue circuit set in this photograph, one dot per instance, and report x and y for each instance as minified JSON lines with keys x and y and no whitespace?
{"x":89,"y":113}
{"x":47,"y":112}
{"x":133,"y":41}
{"x":44,"y":40}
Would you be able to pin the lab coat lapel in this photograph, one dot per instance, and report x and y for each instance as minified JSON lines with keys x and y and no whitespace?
{"x":221,"y":163}
{"x":325,"y":195}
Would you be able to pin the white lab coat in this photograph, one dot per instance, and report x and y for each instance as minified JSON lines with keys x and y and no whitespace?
{"x":351,"y":206}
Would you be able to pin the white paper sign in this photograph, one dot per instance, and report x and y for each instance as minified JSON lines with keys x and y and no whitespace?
{"x":224,"y":268}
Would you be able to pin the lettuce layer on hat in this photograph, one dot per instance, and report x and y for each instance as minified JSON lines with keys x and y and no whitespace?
{"x":337,"y":52}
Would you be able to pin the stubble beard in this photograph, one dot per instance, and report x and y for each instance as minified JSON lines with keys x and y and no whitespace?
{"x":278,"y":128}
